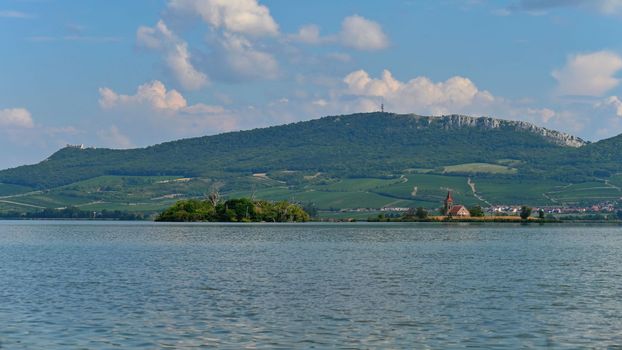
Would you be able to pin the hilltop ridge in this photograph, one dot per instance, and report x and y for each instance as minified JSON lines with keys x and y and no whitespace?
{"x":364,"y":144}
{"x":556,"y":137}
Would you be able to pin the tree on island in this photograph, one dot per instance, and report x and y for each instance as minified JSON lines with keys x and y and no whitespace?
{"x":311,"y":209}
{"x":525,"y":212}
{"x":234,"y":210}
{"x":442,"y":210}
{"x":214,"y":197}
{"x":421,"y":213}
{"x":476,"y":211}
{"x":413,"y":214}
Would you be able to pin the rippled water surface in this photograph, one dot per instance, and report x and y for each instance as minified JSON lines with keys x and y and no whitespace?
{"x":97,"y":285}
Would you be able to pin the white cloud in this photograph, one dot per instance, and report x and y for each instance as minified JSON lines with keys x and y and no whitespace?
{"x":15,"y":14}
{"x":237,"y":16}
{"x":590,"y":74}
{"x":179,"y":62}
{"x":153,"y":37}
{"x":356,"y":33}
{"x":537,"y":116}
{"x":612,"y":102}
{"x":166,"y":110}
{"x":543,"y":114}
{"x":232,"y":57}
{"x":339,"y":56}
{"x":362,"y":34}
{"x":320,"y":102}
{"x":419,"y":95}
{"x":16,"y":118}
{"x":114,"y":138}
{"x":308,"y":34}
{"x":22,"y":141}
{"x":152,"y":94}
{"x":608,"y":7}
{"x":241,"y":60}
{"x":177,"y":55}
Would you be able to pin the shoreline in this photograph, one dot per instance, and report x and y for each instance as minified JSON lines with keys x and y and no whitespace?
{"x":345,"y":221}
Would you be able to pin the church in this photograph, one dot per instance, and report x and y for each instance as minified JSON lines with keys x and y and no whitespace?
{"x":452,"y":210}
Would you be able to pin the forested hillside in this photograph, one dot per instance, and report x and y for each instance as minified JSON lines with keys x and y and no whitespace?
{"x":374,"y":144}
{"x":360,"y":160}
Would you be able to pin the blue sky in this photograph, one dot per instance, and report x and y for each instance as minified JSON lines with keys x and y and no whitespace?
{"x":126,"y":74}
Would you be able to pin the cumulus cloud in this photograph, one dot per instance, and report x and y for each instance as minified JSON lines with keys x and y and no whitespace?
{"x":308,"y":34}
{"x":153,"y":106}
{"x":152,"y":94}
{"x":114,"y":138}
{"x":232,"y":56}
{"x":590,"y":74}
{"x":15,"y":118}
{"x":237,"y":58}
{"x":153,"y":37}
{"x":538,"y":116}
{"x":420,"y":94}
{"x":237,"y":16}
{"x":357,"y":33}
{"x":177,"y":55}
{"x":612,"y":102}
{"x":362,"y":34}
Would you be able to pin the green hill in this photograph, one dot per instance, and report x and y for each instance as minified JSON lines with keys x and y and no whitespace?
{"x":350,"y":161}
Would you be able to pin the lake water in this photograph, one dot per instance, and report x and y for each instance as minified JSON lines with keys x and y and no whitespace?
{"x":100,"y":285}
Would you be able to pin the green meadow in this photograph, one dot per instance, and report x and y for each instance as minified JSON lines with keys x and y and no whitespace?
{"x":471,"y":184}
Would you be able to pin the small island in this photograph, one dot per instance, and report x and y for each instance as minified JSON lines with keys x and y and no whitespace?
{"x":233,"y":210}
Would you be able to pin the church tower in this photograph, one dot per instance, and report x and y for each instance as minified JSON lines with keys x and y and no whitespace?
{"x":449,"y":202}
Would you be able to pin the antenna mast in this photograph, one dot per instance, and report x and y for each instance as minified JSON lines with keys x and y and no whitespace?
{"x":382,"y":105}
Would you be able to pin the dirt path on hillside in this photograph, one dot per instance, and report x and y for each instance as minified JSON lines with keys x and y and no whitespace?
{"x":22,"y":204}
{"x":475,"y":194}
{"x":610,"y":185}
{"x":553,"y":200}
{"x":20,"y":195}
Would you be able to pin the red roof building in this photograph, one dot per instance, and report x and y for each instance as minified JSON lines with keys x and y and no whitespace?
{"x":459,"y":211}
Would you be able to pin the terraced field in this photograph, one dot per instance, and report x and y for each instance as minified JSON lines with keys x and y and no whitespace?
{"x":9,"y":190}
{"x":153,"y":193}
{"x":479,"y":168}
{"x":513,"y":191}
{"x":585,"y":193}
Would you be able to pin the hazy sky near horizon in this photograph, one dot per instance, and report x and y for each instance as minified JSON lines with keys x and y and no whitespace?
{"x":125,"y":74}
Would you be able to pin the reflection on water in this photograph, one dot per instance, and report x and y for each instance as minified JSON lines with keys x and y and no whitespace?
{"x":104,"y":285}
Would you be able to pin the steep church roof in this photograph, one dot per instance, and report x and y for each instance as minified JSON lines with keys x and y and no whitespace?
{"x":449,"y":198}
{"x":455,"y":210}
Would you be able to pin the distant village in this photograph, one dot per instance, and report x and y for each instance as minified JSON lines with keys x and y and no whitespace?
{"x":455,"y":210}
{"x":605,"y":207}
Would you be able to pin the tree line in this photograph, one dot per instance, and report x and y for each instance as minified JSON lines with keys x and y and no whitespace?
{"x":73,"y":213}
